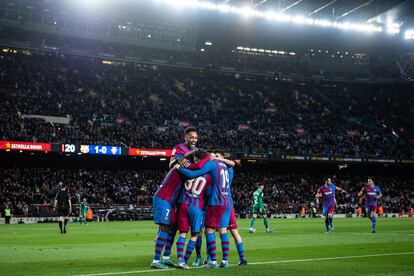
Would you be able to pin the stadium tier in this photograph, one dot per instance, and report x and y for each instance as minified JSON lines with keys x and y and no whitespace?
{"x":78,"y":100}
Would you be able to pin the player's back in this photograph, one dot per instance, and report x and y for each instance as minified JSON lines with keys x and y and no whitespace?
{"x":220,"y":183}
{"x":257,"y":195}
{"x":62,"y":198}
{"x":195,"y":190}
{"x":170,"y":187}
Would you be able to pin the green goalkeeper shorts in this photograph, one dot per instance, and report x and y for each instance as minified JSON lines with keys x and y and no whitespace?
{"x":256,"y":210}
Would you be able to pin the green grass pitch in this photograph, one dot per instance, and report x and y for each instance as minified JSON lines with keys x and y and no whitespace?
{"x":296,"y":247}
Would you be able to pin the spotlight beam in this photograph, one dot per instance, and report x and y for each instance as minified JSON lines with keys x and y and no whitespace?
{"x":321,"y":8}
{"x":354,"y":9}
{"x":292,"y":5}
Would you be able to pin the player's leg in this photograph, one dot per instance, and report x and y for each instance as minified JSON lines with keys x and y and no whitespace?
{"x":170,"y":240}
{"x":60,"y":221}
{"x":225,"y":243}
{"x":183,"y":226}
{"x":211,"y":247}
{"x":65,"y":223}
{"x":196,"y":217}
{"x":191,"y":244}
{"x":330,"y":217}
{"x":213,"y":218}
{"x":237,"y":238}
{"x":254,"y":216}
{"x":199,"y":244}
{"x":225,"y":247}
{"x":159,"y":246}
{"x":326,"y":215}
{"x":266,"y":221}
{"x":374,"y":218}
{"x":180,"y":249}
{"x":162,"y":218}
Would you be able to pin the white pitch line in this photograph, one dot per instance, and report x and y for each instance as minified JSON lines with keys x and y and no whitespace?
{"x":260,"y":263}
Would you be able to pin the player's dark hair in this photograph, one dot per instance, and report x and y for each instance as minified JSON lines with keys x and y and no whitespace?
{"x":258,"y":184}
{"x":372,"y":178}
{"x":219,"y":151}
{"x":200,"y":154}
{"x":189,"y":129}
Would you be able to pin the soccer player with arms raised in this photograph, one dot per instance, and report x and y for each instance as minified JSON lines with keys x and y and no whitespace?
{"x":372,"y":194}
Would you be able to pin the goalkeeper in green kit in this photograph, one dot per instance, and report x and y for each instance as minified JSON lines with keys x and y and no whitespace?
{"x":259,"y":209}
{"x":84,"y":211}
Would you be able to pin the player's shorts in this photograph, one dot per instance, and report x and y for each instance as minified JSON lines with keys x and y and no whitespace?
{"x":189,"y":217}
{"x":83,"y":214}
{"x":214,"y":215}
{"x":233,"y":219}
{"x":63,"y":211}
{"x":225,"y":219}
{"x":329,"y":209}
{"x":371,"y":208}
{"x":256,"y":210}
{"x":164,"y":212}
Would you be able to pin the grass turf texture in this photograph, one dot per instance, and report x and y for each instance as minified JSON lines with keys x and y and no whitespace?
{"x":128,"y":246}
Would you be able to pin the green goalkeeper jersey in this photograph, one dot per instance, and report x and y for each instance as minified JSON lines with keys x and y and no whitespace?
{"x":258,"y":199}
{"x":84,"y":208}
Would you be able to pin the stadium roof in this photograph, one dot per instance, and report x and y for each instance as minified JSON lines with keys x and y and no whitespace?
{"x":337,"y":10}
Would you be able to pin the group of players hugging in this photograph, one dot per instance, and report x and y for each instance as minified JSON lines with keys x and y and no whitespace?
{"x":195,"y":197}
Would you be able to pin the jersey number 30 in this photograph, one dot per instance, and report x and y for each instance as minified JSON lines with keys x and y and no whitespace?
{"x":195,"y":185}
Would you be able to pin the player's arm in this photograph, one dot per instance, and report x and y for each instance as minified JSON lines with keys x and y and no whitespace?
{"x":341,"y":190}
{"x":55,"y":202}
{"x":319,"y":193}
{"x":70,"y":204}
{"x":361,"y":192}
{"x":231,"y":174}
{"x":180,"y":160}
{"x":228,"y":162}
{"x":179,"y":157}
{"x":208,"y":167}
{"x":379,"y":194}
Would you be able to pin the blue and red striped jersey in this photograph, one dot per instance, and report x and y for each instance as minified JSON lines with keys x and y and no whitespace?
{"x":194,"y":191}
{"x":371,"y":193}
{"x":328,"y":193}
{"x":218,"y":195}
{"x":170,"y":189}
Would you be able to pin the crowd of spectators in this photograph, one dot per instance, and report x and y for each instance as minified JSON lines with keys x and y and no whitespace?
{"x":136,"y":105}
{"x":31,"y":190}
